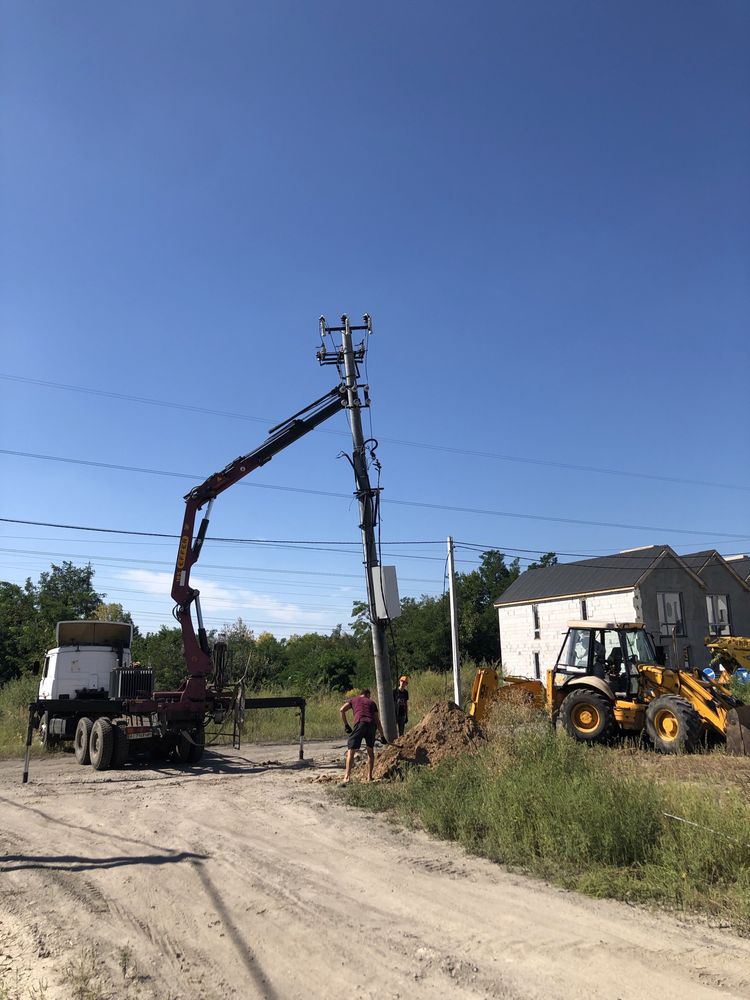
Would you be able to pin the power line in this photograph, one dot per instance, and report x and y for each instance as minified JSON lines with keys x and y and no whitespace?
{"x":402,"y":503}
{"x":422,"y":445}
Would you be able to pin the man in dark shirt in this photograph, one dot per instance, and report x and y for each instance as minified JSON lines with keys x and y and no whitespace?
{"x":366,"y":724}
{"x":401,"y":703}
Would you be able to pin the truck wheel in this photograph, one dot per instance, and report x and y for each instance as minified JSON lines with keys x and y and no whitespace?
{"x":182,"y":749}
{"x":587,"y":716}
{"x":48,"y":742}
{"x":673,"y":725}
{"x":159,"y":749}
{"x":197,"y":748}
{"x":102,"y":744}
{"x":82,"y":741}
{"x":121,"y":747}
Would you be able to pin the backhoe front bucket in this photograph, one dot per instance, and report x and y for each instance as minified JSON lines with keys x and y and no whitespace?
{"x":738,"y":731}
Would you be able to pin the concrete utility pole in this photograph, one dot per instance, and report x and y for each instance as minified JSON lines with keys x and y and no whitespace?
{"x":367,"y":498}
{"x":454,"y":624}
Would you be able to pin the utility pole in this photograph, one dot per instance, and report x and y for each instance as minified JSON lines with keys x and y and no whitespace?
{"x":347,"y":358}
{"x":454,"y":624}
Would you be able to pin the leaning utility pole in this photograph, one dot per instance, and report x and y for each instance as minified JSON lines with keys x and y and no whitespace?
{"x":348,"y":358}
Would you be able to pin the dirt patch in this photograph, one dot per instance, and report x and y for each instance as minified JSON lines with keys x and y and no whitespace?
{"x":446,"y":731}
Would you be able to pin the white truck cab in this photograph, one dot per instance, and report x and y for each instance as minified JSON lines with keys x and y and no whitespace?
{"x":86,"y":654}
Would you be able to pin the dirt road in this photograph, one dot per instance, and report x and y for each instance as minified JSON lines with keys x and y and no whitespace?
{"x":247,"y":880}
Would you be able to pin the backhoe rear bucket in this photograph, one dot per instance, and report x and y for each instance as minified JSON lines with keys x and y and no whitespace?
{"x":738,"y":731}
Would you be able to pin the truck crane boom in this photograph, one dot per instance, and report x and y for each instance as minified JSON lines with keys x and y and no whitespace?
{"x":196,"y":648}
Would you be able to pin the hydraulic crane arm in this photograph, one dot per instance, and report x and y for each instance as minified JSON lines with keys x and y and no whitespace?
{"x":196,"y":647}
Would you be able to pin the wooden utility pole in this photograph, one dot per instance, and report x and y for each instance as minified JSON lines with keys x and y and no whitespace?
{"x":347,"y":358}
{"x":454,"y":624}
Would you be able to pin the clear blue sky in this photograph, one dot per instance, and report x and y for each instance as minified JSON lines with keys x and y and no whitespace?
{"x":543,"y":204}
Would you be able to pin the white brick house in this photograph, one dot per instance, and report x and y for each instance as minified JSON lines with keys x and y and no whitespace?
{"x":680,"y":599}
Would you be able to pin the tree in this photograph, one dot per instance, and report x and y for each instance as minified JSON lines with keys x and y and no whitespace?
{"x":66,"y":593}
{"x":163,"y":652}
{"x":548,"y":559}
{"x":20,"y":639}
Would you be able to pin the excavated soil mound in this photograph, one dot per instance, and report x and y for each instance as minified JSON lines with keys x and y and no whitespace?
{"x":445,"y":731}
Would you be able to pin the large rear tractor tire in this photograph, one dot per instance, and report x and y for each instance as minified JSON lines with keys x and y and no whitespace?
{"x":82,"y":741}
{"x":673,"y":725}
{"x":102,"y":744}
{"x":587,"y":716}
{"x":121,"y":747}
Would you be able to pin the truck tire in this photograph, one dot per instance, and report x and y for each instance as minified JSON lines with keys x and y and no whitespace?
{"x":82,"y":741}
{"x":102,"y":744}
{"x":182,"y":749}
{"x":48,"y":742}
{"x":673,"y":725}
{"x":587,"y":716}
{"x":197,"y":748}
{"x":121,"y":747}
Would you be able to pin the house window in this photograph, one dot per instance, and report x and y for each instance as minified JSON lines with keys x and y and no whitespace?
{"x":535,"y":613}
{"x":537,"y":670}
{"x":584,"y":610}
{"x":670,"y":614}
{"x":717,"y":606}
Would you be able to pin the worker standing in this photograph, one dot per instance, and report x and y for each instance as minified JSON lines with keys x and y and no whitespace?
{"x":366,"y":725}
{"x":401,"y":703}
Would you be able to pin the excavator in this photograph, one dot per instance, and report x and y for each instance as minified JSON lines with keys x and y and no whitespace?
{"x":609,"y":679}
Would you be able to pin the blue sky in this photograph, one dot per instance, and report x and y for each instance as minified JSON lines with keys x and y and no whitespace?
{"x":543,"y":205}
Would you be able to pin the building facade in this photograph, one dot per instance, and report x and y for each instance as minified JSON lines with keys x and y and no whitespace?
{"x":680,"y":599}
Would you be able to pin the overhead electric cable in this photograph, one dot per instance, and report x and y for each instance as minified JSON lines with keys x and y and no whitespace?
{"x":423,"y":445}
{"x":402,"y":503}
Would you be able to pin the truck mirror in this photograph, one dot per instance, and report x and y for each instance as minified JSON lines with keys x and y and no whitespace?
{"x":36,"y":668}
{"x":660,"y":656}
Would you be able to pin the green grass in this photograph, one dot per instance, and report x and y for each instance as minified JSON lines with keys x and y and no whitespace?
{"x":322,"y":719}
{"x":14,"y":715}
{"x":554,"y":808}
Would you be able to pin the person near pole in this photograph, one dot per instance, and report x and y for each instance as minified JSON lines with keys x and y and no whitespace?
{"x":401,"y":703}
{"x":366,"y":725}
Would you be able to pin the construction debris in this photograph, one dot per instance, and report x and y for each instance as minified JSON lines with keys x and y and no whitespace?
{"x":446,"y":731}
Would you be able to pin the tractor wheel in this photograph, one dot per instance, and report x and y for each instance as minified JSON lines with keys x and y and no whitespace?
{"x":82,"y":741}
{"x":121,"y":747}
{"x":673,"y":725}
{"x":587,"y":716}
{"x":102,"y":744}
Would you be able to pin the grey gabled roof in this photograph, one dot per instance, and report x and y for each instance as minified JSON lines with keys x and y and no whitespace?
{"x":620,"y":571}
{"x":741,"y":567}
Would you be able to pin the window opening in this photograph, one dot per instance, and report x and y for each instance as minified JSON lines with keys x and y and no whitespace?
{"x":537,"y":668}
{"x":535,"y":613}
{"x":717,"y":608}
{"x":670,"y":614}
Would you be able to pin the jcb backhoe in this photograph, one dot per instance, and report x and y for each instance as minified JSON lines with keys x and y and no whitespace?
{"x":608,"y":679}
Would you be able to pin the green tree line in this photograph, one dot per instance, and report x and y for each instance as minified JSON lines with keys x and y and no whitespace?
{"x":418,"y":640}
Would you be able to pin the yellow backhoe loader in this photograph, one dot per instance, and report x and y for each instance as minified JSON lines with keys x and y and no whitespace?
{"x":608,"y":679}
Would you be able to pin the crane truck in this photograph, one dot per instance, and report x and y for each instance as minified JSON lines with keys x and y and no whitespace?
{"x":609,"y":679}
{"x":92,"y":694}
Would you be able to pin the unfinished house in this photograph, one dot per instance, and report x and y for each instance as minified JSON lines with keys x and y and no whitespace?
{"x":680,"y":599}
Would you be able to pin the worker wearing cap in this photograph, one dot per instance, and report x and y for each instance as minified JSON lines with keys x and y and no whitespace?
{"x":366,"y":724}
{"x":401,"y":703}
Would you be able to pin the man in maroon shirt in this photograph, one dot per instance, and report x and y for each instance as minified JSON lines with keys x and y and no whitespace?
{"x":366,"y":724}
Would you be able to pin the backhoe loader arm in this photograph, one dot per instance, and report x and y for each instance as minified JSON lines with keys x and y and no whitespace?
{"x":732,"y":651}
{"x":196,"y":648}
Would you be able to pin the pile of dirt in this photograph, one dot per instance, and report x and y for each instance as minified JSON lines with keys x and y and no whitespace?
{"x":446,"y":731}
